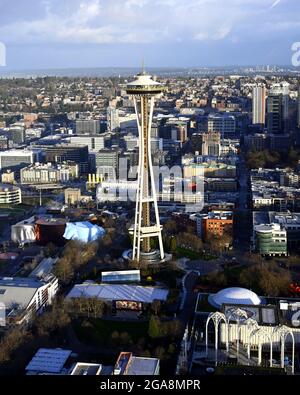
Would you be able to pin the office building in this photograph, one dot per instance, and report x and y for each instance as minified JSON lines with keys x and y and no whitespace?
{"x":113,"y":123}
{"x":107,"y":163}
{"x":87,"y":126}
{"x":270,"y":239}
{"x":278,"y":109}
{"x":208,"y":143}
{"x":63,"y":152}
{"x":259,"y":105}
{"x":17,"y":133}
{"x":221,"y":123}
{"x":15,"y":159}
{"x":93,"y":142}
{"x":275,"y":122}
{"x":49,"y":173}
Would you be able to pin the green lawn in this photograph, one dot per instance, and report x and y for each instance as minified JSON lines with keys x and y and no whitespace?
{"x":185,"y":252}
{"x":99,"y":331}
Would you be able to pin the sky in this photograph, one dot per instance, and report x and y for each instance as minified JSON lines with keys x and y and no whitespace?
{"x":45,"y":34}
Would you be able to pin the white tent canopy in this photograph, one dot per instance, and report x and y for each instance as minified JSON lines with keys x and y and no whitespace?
{"x":83,"y":231}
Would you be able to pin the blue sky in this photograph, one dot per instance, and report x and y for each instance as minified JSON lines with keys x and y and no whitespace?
{"x":176,"y":33}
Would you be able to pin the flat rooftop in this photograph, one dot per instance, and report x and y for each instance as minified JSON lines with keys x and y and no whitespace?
{"x":119,"y":292}
{"x":86,"y":369}
{"x":48,"y":360}
{"x":142,"y":366}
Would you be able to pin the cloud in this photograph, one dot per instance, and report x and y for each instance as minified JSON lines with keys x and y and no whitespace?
{"x":141,"y":21}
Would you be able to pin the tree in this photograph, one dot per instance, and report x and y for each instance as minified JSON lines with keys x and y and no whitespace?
{"x":156,"y":307}
{"x":154,"y":330}
{"x":64,"y":270}
{"x":115,"y":337}
{"x":274,"y":283}
{"x":125,"y":339}
{"x":173,"y":245}
{"x":217,"y":278}
{"x":160,"y":352}
{"x":50,"y":250}
{"x":170,"y":227}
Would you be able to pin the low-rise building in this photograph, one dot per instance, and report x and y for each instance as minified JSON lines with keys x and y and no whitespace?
{"x":8,"y":177}
{"x":10,"y":194}
{"x":49,"y":173}
{"x":129,"y":365}
{"x":287,"y":220}
{"x":270,"y":240}
{"x":24,"y":296}
{"x":214,"y":223}
{"x":49,"y":361}
{"x":72,"y":195}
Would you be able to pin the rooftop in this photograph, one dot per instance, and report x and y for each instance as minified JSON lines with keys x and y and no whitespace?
{"x":49,"y":361}
{"x":234,"y":295}
{"x":116,"y":292}
{"x":86,"y":369}
{"x":8,"y":188}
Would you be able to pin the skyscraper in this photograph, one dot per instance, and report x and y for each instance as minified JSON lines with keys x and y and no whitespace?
{"x":112,"y":119}
{"x":144,"y":90}
{"x":278,"y":108}
{"x":275,"y":114}
{"x":259,"y":105}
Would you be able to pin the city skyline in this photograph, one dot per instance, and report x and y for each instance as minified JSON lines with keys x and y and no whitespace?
{"x":94,"y":33}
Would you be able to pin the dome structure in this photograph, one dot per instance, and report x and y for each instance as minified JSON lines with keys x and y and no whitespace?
{"x":234,"y":295}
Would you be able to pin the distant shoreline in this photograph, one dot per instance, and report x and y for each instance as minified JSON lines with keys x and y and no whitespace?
{"x":160,"y":71}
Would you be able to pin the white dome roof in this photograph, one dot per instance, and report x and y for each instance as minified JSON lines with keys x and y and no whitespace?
{"x":234,"y":295}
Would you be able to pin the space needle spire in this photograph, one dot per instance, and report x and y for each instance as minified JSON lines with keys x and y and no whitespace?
{"x":144,"y":90}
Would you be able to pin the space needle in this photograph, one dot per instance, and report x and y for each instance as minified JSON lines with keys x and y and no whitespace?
{"x":144,"y":90}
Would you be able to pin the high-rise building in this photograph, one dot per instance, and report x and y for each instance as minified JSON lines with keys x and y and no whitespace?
{"x":275,"y":114}
{"x":87,"y":126}
{"x":144,"y":90}
{"x":259,"y":105}
{"x":17,"y":134}
{"x":107,"y":163}
{"x":94,"y":142}
{"x":278,"y":109}
{"x":113,"y":122}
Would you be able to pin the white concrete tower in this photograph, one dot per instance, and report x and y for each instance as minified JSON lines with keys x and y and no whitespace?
{"x":144,"y":90}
